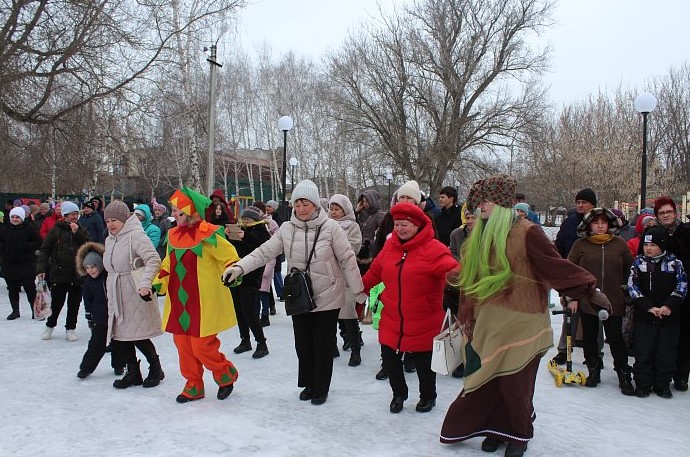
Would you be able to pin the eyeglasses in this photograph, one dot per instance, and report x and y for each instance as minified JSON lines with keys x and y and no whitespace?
{"x":664,"y":213}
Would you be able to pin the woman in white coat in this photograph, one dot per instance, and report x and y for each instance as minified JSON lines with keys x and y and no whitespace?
{"x":333,"y":267}
{"x":133,"y":314}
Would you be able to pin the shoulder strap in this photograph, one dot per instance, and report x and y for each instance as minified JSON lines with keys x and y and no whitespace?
{"x":311,"y":254}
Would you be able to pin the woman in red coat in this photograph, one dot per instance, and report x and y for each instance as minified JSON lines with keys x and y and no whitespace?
{"x":413,"y":266}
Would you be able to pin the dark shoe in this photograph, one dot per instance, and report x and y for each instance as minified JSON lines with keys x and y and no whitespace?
{"x":408,"y":363}
{"x":515,"y":450}
{"x":83,"y":374}
{"x":305,"y":394}
{"x":320,"y":400}
{"x":132,"y":377}
{"x":355,"y":358}
{"x":425,"y":405}
{"x":264,"y":321}
{"x":397,"y":404}
{"x":272,"y":310}
{"x":244,"y":346}
{"x":382,"y":374}
{"x":642,"y":391}
{"x":119,"y":371}
{"x":560,"y":358}
{"x":625,"y":382}
{"x":156,"y":374}
{"x":336,"y":352}
{"x":13,"y":315}
{"x":663,"y":392}
{"x":459,"y":372}
{"x":594,"y":377}
{"x":185,"y":399}
{"x":261,"y":351}
{"x":224,"y":391}
{"x":491,"y":444}
{"x":681,"y":386}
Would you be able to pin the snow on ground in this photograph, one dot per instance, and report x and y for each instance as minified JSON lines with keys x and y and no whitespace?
{"x":48,"y":411}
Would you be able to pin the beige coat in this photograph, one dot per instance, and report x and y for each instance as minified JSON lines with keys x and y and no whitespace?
{"x":129,"y":317}
{"x":332,"y":268}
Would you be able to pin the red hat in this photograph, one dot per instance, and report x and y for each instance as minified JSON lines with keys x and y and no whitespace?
{"x":405,"y":211}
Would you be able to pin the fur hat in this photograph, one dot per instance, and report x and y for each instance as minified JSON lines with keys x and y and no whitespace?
{"x":18,"y":211}
{"x":408,"y":212}
{"x":524,"y":207}
{"x":498,"y":188}
{"x":117,"y":209}
{"x":410,"y":189}
{"x":68,"y":208}
{"x":253,"y":213}
{"x":587,"y":195}
{"x":656,"y":235}
{"x":273,"y":204}
{"x":662,"y":201}
{"x":613,"y":220}
{"x":306,"y":190}
{"x":345,"y":203}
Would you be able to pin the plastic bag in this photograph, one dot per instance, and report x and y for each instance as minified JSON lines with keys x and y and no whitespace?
{"x":42,"y":308}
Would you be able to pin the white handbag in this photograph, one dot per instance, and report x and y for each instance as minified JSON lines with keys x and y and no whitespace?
{"x":446,"y":355}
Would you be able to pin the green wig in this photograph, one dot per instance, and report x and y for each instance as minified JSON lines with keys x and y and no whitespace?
{"x":485,"y":267}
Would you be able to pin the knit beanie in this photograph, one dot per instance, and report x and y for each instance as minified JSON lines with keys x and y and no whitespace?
{"x":524,"y":207}
{"x":587,"y":195}
{"x":68,"y":208}
{"x":18,"y":211}
{"x":273,"y":204}
{"x":117,"y":209}
{"x":17,"y":202}
{"x":409,"y":212}
{"x":306,"y":190}
{"x":656,"y":235}
{"x":661,"y":201}
{"x":92,"y":259}
{"x":410,"y":189}
{"x":498,"y":188}
{"x":253,"y":213}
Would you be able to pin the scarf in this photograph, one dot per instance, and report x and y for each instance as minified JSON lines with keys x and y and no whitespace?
{"x":601,"y":239}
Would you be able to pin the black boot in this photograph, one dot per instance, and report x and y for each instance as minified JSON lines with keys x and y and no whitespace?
{"x":382,"y":374}
{"x":594,"y":377}
{"x":13,"y":315}
{"x":355,"y":357}
{"x":625,"y":381}
{"x":265,"y":322}
{"x":408,"y":363}
{"x":244,"y":346}
{"x":516,"y":450}
{"x":261,"y":351}
{"x":132,"y":377}
{"x":459,"y":372}
{"x":156,"y":374}
{"x":344,"y":334}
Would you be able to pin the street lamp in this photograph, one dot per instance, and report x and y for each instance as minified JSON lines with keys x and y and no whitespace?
{"x":285,"y":124}
{"x":212,"y":112}
{"x":644,"y":104}
{"x":389,"y":177}
{"x":293,"y":164}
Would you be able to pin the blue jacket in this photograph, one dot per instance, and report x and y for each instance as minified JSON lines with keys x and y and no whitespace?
{"x":567,"y":235}
{"x":95,"y":298}
{"x":152,"y":231}
{"x":94,"y":225}
{"x":656,"y":282}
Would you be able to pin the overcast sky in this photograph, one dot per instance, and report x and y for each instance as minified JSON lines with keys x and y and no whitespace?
{"x":596,"y":44}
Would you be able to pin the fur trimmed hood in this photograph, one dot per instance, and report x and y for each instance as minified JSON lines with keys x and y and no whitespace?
{"x":614,"y":222}
{"x":85,"y":249}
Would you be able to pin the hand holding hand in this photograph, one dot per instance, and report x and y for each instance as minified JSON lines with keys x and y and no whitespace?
{"x":145,"y":293}
{"x":665,"y":311}
{"x":231,"y":274}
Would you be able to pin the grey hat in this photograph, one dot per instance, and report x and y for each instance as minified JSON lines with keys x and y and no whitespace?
{"x":273,"y":204}
{"x":117,"y":209}
{"x":92,"y":259}
{"x":306,"y":190}
{"x":68,"y":207}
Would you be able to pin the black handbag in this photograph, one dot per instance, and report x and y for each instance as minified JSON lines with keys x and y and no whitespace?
{"x":297,"y":290}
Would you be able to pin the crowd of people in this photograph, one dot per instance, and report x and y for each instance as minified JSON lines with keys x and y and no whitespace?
{"x":488,"y":261}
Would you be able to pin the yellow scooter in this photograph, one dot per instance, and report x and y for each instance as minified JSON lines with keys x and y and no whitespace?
{"x":566,"y":375}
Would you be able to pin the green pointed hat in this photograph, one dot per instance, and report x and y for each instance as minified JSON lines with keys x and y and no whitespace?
{"x":190,"y":201}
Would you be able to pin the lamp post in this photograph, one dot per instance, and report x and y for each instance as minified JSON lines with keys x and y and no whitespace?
{"x":212,"y":112}
{"x":389,"y":177}
{"x":285,"y":124}
{"x":644,"y":104}
{"x":293,"y":164}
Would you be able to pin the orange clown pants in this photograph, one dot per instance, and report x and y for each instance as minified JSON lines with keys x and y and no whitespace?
{"x":197,"y":353}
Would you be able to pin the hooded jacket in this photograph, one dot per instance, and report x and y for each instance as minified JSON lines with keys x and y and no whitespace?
{"x":151,"y":230}
{"x":354,"y":236}
{"x":414,"y":274}
{"x":94,"y":290}
{"x":130,"y":318}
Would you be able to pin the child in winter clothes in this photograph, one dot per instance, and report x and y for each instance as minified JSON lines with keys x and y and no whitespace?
{"x":657,"y":285}
{"x":89,"y":263}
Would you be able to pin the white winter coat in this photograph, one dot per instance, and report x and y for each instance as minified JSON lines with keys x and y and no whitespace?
{"x":332,"y":268}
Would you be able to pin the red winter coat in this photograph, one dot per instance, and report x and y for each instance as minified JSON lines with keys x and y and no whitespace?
{"x":414,"y":274}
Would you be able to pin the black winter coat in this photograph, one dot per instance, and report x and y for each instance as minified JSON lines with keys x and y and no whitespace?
{"x":95,"y":298}
{"x":58,"y":252}
{"x":18,"y":244}
{"x":254,"y":236}
{"x":567,"y":235}
{"x":448,"y":220}
{"x":94,"y":225}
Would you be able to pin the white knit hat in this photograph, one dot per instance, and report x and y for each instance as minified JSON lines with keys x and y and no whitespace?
{"x":18,"y":211}
{"x":307,"y":190}
{"x":68,"y":207}
{"x":410,"y":189}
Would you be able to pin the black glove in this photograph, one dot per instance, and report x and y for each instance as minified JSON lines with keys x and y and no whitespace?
{"x":88,"y":316}
{"x":146,"y":297}
{"x":92,"y":324}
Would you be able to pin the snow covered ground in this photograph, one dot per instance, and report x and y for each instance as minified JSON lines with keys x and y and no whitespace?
{"x":48,"y":411}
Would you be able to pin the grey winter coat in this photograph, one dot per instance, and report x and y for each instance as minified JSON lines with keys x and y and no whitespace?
{"x":129,"y":317}
{"x":332,"y":268}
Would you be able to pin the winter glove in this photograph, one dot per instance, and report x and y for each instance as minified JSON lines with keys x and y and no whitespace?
{"x":231,"y":274}
{"x":91,"y":323}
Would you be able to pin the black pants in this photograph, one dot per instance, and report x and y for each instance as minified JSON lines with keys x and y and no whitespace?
{"x":125,"y":354}
{"x":14,"y":287}
{"x":655,"y":353}
{"x":58,"y":293}
{"x":246,"y":301}
{"x":315,"y":337}
{"x":683,"y":352}
{"x":613,"y":329}
{"x":392,"y":362}
{"x":96,"y":349}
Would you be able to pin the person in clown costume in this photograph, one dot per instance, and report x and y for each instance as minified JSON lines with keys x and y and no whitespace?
{"x":197,"y":304}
